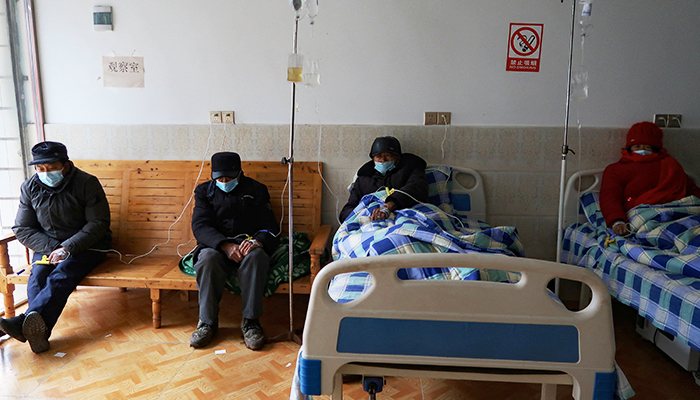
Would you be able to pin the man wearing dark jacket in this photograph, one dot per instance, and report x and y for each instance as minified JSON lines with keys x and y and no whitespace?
{"x":63,"y":216}
{"x":390,"y":169}
{"x":236,"y":232}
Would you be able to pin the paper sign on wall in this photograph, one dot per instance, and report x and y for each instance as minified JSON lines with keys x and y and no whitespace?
{"x":122,"y":71}
{"x":524,"y":47}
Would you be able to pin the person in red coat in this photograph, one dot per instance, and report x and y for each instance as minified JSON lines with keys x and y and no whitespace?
{"x":646,"y":174}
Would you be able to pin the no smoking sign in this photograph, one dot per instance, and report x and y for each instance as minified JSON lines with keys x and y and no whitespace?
{"x":524,"y":47}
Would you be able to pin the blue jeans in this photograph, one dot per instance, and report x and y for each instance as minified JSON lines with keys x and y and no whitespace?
{"x":49,"y":286}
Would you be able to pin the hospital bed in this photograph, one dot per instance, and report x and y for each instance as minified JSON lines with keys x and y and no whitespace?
{"x":475,"y":330}
{"x":667,"y":302}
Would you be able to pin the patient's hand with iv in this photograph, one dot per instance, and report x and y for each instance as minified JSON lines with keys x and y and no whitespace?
{"x":620,"y":228}
{"x":232,"y":251}
{"x":248,"y":245}
{"x":58,"y":255}
{"x":383,"y":212}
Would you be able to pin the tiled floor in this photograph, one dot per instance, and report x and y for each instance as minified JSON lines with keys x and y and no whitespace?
{"x":105,"y":348}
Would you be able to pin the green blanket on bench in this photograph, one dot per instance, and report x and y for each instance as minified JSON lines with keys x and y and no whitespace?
{"x":279,"y":264}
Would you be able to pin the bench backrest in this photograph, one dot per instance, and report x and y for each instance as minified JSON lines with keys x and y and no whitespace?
{"x":147,"y":197}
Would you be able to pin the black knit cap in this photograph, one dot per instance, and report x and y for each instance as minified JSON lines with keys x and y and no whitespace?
{"x":226,"y":164}
{"x":48,"y":152}
{"x":385,"y":144}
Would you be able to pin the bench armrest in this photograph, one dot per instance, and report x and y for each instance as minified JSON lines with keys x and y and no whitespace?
{"x":320,"y":240}
{"x":5,"y":239}
{"x":318,"y":246}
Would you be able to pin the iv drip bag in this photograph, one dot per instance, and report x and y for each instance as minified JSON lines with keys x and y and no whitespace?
{"x":587,"y":7}
{"x":585,"y":21}
{"x":298,"y":7}
{"x":295,"y":67}
{"x":312,"y":9}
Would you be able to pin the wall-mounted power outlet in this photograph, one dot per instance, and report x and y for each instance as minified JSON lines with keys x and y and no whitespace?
{"x":215,"y":117}
{"x":661,"y":120}
{"x":668,"y":120}
{"x":228,"y":117}
{"x":430,"y":118}
{"x":444,"y":118}
{"x":437,"y":118}
{"x":674,"y":120}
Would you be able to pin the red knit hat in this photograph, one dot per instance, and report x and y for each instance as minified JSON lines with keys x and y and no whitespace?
{"x":645,"y":133}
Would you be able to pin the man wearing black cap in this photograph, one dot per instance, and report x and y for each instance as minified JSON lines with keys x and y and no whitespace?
{"x":390,"y":169}
{"x":236,"y":232}
{"x":63,"y":215}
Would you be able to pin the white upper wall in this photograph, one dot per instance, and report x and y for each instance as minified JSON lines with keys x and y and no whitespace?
{"x":383,"y":62}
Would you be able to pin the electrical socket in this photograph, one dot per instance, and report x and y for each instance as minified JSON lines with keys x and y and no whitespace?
{"x":444,"y":118}
{"x":668,"y":120}
{"x":430,"y":118}
{"x":215,"y":117}
{"x":661,"y":120}
{"x":228,"y":117}
{"x":674,"y":120}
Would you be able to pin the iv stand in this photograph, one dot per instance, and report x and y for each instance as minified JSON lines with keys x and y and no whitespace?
{"x":565,"y":148}
{"x":291,"y":335}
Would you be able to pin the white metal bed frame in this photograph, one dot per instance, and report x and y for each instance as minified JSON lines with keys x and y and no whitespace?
{"x":494,"y":331}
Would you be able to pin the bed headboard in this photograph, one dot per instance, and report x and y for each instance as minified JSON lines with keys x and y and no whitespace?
{"x":589,"y":182}
{"x":468,"y":192}
{"x":457,"y":190}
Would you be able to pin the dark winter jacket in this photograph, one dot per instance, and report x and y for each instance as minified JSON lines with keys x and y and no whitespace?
{"x":221,"y":217}
{"x":408,"y":176}
{"x":73,"y":215}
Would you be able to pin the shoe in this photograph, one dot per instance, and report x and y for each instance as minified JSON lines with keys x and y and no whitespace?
{"x":253,"y":334}
{"x":13,"y":327}
{"x":34,"y":329}
{"x":203,"y":335}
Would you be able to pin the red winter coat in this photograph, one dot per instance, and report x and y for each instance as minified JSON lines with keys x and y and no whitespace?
{"x":654,"y":179}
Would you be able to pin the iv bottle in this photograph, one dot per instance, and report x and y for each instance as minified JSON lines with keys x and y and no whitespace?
{"x":295,"y":67}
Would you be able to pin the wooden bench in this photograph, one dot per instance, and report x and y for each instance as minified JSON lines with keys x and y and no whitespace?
{"x":147,"y":199}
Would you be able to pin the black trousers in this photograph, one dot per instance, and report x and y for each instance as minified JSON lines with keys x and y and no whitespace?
{"x":214,"y":269}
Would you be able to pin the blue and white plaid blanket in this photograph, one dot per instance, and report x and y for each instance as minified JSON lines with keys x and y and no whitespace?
{"x":422,"y":229}
{"x":425,"y":228}
{"x":655,"y":270}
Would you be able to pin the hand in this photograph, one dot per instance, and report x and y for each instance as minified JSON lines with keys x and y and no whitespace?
{"x":232,"y":251}
{"x":379,"y":213}
{"x":58,"y":255}
{"x":249,"y":245}
{"x":620,"y":229}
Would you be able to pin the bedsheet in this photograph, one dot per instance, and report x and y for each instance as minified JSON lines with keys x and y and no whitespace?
{"x":655,"y":270}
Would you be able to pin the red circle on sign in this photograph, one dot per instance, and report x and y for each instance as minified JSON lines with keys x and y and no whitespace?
{"x":530,"y":48}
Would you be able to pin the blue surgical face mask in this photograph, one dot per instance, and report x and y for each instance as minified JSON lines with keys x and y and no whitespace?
{"x":643,"y":152}
{"x":384,"y":167}
{"x":50,"y":178}
{"x":227,"y":186}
